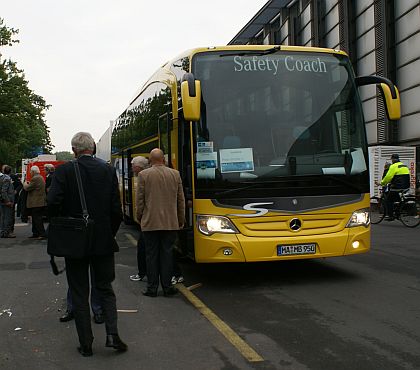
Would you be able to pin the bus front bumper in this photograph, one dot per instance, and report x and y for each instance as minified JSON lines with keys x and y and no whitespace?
{"x":241,"y":248}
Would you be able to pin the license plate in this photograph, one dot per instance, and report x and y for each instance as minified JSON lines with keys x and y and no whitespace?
{"x":287,"y":250}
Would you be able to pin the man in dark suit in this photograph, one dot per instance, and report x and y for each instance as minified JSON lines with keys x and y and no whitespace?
{"x":100,"y":186}
{"x":49,"y":174}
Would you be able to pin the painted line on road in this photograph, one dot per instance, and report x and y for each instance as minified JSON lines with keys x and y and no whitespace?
{"x":131,"y":239}
{"x":195,"y":286}
{"x":244,"y":348}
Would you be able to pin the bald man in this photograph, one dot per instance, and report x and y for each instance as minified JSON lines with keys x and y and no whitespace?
{"x":161,"y":213}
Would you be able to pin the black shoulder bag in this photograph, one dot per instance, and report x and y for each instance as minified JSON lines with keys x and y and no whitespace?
{"x":71,"y":237}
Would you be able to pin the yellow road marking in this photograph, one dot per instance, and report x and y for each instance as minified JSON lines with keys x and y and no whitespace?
{"x":131,"y":239}
{"x":195,"y":286}
{"x":247,"y":351}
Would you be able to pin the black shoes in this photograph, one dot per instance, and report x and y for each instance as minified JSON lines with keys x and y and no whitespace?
{"x":167,"y":292}
{"x":114,"y":341}
{"x":68,"y":316}
{"x":170,"y":291}
{"x":98,"y":318}
{"x":149,"y":293}
{"x":85,"y":351}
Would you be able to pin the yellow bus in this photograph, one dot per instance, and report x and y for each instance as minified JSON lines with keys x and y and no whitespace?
{"x":271,"y":145}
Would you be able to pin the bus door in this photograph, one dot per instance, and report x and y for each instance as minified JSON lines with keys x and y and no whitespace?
{"x":185,"y":169}
{"x":127,"y":199}
{"x":165,"y":128}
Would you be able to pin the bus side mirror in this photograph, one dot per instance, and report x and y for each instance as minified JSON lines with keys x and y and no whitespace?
{"x":191,"y":97}
{"x":389,"y":92}
{"x":392,"y":104}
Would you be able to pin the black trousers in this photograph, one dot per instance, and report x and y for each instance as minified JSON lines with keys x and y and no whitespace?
{"x":391,"y":197}
{"x":159,"y":258}
{"x":37,"y":223}
{"x":103,"y":270}
{"x":141,"y":255}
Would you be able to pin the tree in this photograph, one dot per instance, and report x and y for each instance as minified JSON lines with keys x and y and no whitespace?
{"x":23,"y":130}
{"x":64,"y":156}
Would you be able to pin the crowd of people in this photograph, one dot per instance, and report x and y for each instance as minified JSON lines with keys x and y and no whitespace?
{"x":160,"y":214}
{"x":22,"y":200}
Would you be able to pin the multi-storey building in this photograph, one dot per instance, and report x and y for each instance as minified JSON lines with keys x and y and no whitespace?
{"x":382,"y":37}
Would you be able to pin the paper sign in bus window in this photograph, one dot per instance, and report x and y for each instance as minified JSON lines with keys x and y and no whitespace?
{"x":236,"y":160}
{"x":205,"y":147}
{"x":206,"y":164}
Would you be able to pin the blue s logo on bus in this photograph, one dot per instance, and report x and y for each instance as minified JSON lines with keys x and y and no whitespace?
{"x":254,"y":207}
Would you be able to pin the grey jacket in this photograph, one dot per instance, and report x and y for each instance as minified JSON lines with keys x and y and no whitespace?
{"x":7,"y":190}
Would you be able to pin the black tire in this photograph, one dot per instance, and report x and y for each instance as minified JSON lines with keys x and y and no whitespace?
{"x":410,"y":213}
{"x":377,"y":210}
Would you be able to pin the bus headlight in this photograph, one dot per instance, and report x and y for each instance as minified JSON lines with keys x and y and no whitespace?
{"x":209,"y":225}
{"x":360,"y":217}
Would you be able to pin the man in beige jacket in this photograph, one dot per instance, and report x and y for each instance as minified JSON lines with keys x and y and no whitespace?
{"x":161,"y":213}
{"x":36,"y":202}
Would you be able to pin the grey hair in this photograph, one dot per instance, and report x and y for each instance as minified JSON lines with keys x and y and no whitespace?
{"x":140,"y":161}
{"x":83,"y":141}
{"x":35,"y":169}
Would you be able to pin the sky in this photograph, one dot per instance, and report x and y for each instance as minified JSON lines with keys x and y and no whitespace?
{"x":87,"y":58}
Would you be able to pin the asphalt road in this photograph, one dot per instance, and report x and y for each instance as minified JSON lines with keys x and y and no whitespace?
{"x":360,"y":312}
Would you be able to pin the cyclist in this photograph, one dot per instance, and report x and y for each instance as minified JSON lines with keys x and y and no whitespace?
{"x":398,"y":176}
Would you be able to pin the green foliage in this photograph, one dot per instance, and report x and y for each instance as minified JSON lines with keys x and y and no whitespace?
{"x":7,"y":34}
{"x":23,"y":130}
{"x":64,"y":156}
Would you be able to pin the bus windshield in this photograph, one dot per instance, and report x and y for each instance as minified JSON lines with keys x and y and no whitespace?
{"x":282,"y":124}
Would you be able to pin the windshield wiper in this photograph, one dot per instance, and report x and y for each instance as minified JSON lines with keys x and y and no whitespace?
{"x":253,"y":185}
{"x":252,"y":52}
{"x":344,"y":182}
{"x":236,"y":190}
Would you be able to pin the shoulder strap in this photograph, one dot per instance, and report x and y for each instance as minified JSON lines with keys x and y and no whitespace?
{"x":81,"y":192}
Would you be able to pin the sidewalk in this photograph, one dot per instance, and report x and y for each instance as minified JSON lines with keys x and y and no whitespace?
{"x":162,"y":333}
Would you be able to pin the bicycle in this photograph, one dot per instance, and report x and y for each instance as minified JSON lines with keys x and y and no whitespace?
{"x":407,"y":209}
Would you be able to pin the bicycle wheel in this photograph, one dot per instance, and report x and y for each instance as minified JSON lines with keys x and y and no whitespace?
{"x":377,"y":210}
{"x":410,"y":213}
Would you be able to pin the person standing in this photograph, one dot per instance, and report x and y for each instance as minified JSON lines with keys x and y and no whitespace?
{"x":17,"y":186}
{"x":100,"y":186}
{"x":161,"y":213}
{"x":49,"y":170}
{"x":138,"y":164}
{"x":36,"y":202}
{"x":1,"y":196}
{"x":7,"y":204}
{"x":95,"y":305}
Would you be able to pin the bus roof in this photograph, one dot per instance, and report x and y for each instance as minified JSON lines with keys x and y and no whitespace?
{"x":164,"y":70}
{"x":303,"y":49}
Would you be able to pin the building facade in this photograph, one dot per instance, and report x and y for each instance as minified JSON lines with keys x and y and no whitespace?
{"x":382,"y":37}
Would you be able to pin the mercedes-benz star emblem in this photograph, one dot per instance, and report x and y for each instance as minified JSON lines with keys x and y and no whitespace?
{"x":295,"y":224}
{"x":294,"y":201}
